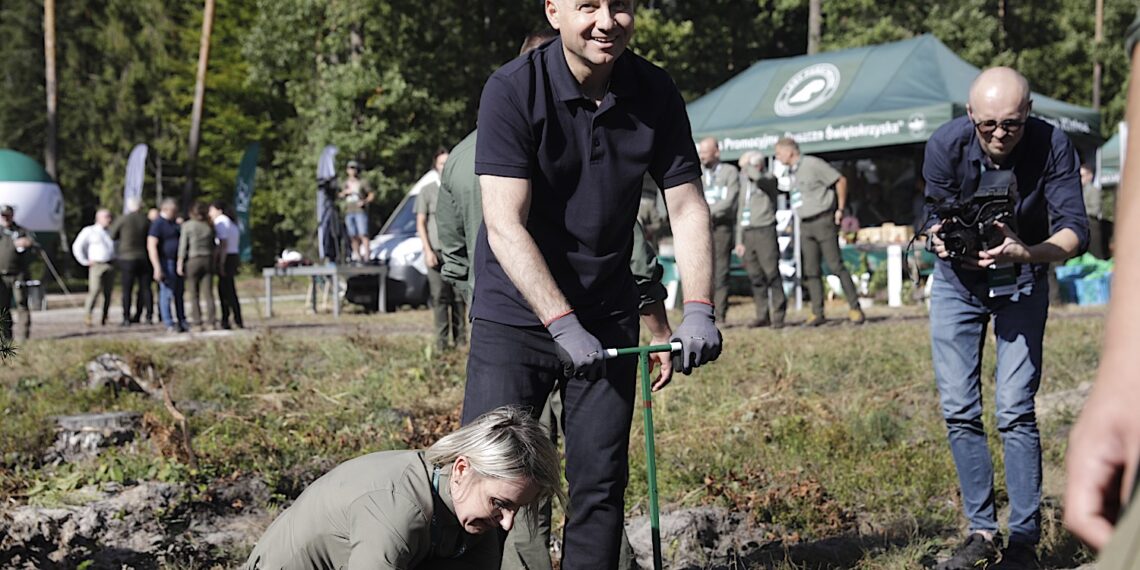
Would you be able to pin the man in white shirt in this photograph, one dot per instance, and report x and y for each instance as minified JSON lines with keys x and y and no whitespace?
{"x":94,"y":249}
{"x":229,"y":236}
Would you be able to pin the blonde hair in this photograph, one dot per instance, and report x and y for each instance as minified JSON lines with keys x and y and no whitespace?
{"x":505,"y":443}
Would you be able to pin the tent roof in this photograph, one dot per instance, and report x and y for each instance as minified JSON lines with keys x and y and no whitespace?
{"x":19,"y":167}
{"x":888,"y":94}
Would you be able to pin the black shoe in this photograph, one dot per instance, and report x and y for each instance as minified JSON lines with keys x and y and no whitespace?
{"x":1018,"y":556}
{"x":976,"y":553}
{"x":226,"y":325}
{"x":759,"y":323}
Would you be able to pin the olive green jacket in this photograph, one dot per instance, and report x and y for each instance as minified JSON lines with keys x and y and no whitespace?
{"x":375,"y":512}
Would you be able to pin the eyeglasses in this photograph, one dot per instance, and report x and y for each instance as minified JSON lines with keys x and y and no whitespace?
{"x":1009,"y":125}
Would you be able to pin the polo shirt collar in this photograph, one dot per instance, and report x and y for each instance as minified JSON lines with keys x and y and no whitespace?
{"x":565,"y":85}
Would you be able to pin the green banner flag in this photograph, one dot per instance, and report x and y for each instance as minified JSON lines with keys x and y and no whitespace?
{"x":242,"y":197}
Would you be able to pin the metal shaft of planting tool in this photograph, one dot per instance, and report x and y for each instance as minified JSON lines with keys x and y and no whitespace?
{"x":643,"y":353}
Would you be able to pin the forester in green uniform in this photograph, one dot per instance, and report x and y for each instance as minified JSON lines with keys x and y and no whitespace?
{"x":15,"y":255}
{"x":419,"y":509}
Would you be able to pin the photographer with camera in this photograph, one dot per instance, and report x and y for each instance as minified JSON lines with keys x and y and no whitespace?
{"x":1003,"y":201}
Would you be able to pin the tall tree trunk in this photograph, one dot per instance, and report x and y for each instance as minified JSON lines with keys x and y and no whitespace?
{"x":814,"y":22}
{"x":50,"y":144}
{"x":190,"y":190}
{"x":1098,"y":67}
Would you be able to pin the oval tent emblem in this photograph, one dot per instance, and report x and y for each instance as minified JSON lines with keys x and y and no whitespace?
{"x":809,"y":88}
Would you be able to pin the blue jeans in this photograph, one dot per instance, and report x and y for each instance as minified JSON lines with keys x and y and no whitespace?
{"x":958,"y":324}
{"x":357,"y":224}
{"x":170,"y":291}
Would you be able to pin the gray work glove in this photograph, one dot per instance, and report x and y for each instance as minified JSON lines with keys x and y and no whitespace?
{"x":579,"y":351}
{"x":700,"y":340}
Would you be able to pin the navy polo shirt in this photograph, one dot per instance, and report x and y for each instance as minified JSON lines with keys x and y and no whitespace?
{"x":1047,"y":169}
{"x":167,"y":233}
{"x":585,"y":163}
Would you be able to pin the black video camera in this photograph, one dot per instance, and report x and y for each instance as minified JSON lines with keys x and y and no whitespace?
{"x":968,"y":224}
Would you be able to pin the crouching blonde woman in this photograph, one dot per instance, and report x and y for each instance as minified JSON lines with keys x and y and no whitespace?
{"x":419,"y":509}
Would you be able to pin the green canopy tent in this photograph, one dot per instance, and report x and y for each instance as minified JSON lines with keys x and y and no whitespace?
{"x":26,"y":186}
{"x":1108,"y":162}
{"x":884,"y":95}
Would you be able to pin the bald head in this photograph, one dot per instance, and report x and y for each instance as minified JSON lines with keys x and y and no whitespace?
{"x":999,"y":107}
{"x":999,"y":85}
{"x":709,"y":152}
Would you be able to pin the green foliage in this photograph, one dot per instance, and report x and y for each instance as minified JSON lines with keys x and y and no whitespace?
{"x":389,"y":81}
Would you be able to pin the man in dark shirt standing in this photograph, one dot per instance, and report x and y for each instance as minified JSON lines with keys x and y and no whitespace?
{"x":1007,"y":283}
{"x":566,"y":133}
{"x":162,"y":245}
{"x":129,"y":233}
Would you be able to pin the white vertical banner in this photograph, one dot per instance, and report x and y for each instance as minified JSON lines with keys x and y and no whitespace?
{"x":136,"y":173}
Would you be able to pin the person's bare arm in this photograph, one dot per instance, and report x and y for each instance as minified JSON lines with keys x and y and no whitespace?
{"x":657,"y":322}
{"x":152,"y":252}
{"x":422,"y":233}
{"x":689,"y":216}
{"x":1104,"y":447}
{"x":506,"y":205}
{"x":840,"y":199}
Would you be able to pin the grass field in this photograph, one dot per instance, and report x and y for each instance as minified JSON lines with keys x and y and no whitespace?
{"x":829,"y":439}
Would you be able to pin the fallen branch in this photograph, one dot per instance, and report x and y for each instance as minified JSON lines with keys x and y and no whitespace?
{"x":183,"y":423}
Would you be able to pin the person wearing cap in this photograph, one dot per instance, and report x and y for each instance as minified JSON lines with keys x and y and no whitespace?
{"x":357,"y":195}
{"x":419,"y":509}
{"x":94,"y":249}
{"x":15,"y":254}
{"x":757,"y":243}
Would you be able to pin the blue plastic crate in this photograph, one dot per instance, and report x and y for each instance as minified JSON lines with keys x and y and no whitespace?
{"x":1067,"y":277}
{"x":1093,"y":290}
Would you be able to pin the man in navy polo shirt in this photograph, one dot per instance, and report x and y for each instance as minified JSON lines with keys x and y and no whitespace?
{"x":566,"y":133}
{"x":1007,"y":283}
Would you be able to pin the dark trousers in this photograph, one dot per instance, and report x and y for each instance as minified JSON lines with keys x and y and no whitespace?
{"x":227,"y":293}
{"x":762,"y":261}
{"x":199,"y":277}
{"x":1100,"y":238}
{"x":12,"y":289}
{"x":449,"y":311}
{"x":519,"y":365}
{"x":132,"y":272}
{"x":820,"y":240}
{"x":723,"y":242}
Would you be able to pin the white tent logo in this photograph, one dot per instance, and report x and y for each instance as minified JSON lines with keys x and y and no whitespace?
{"x":809,"y":88}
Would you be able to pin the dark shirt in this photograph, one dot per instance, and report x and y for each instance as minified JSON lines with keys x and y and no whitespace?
{"x":13,"y":262}
{"x":130,"y":233}
{"x":585,"y":164}
{"x":1048,"y":182}
{"x":167,"y":233}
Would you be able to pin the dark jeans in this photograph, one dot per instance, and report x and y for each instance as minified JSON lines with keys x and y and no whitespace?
{"x":200,"y":283}
{"x":170,"y":293}
{"x":762,"y":260}
{"x":723,"y":242}
{"x":1100,"y":238}
{"x":519,"y":365}
{"x":12,"y":286}
{"x":820,"y":241}
{"x":132,"y":272}
{"x":448,"y":310}
{"x":227,"y":293}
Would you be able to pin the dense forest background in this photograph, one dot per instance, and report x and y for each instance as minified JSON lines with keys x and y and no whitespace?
{"x":389,"y":81}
